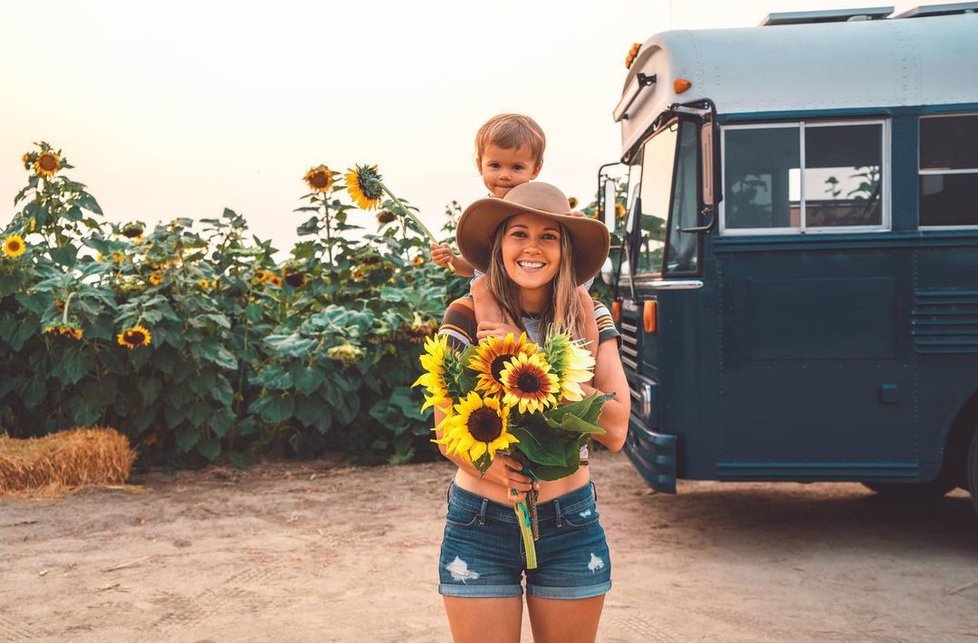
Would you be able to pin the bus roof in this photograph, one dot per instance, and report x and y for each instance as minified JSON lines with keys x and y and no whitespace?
{"x":805,"y":67}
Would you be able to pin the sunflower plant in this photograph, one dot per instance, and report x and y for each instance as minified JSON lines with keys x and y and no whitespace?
{"x":510,"y":395}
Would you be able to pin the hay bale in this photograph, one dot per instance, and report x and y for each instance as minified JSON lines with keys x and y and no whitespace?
{"x":64,"y":461}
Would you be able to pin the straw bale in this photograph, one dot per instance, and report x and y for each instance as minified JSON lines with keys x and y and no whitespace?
{"x":64,"y":461}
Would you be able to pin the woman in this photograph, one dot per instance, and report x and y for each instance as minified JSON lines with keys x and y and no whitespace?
{"x":534,"y":254}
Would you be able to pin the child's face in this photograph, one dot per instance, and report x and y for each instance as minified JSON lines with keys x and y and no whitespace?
{"x":502,"y":169}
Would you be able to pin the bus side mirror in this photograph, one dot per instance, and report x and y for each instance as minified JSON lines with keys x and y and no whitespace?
{"x":707,"y":169}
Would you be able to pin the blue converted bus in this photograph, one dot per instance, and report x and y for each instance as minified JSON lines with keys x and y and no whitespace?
{"x":796,"y":281}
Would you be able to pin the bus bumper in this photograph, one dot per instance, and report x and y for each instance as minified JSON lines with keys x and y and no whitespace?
{"x":653,"y":454}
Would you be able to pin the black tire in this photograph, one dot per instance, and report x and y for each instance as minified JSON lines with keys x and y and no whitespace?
{"x":973,"y":470}
{"x":931,"y":490}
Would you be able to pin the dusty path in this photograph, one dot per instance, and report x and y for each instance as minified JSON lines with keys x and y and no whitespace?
{"x":320,"y":552}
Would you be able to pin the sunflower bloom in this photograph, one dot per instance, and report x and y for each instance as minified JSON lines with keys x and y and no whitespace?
{"x":571,"y":363}
{"x":260,"y":276}
{"x":385,"y":216}
{"x":363,"y":184}
{"x":156,"y":278}
{"x":134,"y":336}
{"x":47,"y":164}
{"x":478,"y":427}
{"x":529,"y":384}
{"x":319,"y":179}
{"x":14,"y":246}
{"x":418,"y":260}
{"x":433,"y":362}
{"x":273,"y":280}
{"x":491,"y":356}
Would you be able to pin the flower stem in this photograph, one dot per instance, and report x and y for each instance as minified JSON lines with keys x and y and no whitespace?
{"x":417,"y":221}
{"x":408,"y":213}
{"x":64,"y":313}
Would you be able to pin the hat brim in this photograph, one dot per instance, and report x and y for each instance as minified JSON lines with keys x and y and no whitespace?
{"x":478,"y":224}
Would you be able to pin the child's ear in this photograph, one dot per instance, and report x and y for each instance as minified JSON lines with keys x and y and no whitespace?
{"x":536,"y":170}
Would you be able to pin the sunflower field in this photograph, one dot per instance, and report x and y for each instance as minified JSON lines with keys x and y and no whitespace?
{"x":191,"y":339}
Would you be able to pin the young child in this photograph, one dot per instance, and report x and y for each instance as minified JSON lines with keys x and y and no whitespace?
{"x":508,"y":152}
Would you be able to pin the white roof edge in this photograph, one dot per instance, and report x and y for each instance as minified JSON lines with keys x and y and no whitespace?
{"x":810,"y":67}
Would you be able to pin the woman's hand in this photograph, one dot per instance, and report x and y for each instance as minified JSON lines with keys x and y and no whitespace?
{"x":505,"y":471}
{"x":499,"y":329}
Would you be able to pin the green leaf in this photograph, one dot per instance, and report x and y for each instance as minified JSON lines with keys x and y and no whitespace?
{"x":222,"y":422}
{"x":149,"y":388}
{"x":546,"y":446}
{"x":65,"y":255}
{"x":187,"y":438}
{"x":307,"y":379}
{"x":215,"y":353}
{"x":84,"y":411}
{"x":222,"y":392}
{"x":586,"y":413}
{"x":34,"y":392}
{"x":311,"y":412}
{"x":273,"y":408}
{"x":71,"y":366}
{"x":210,"y":448}
{"x":291,"y":345}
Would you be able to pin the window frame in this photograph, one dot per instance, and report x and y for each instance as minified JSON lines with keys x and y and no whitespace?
{"x":921,"y":172}
{"x":886,"y":222}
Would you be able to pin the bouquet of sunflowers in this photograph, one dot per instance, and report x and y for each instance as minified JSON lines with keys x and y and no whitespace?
{"x":512,"y":396}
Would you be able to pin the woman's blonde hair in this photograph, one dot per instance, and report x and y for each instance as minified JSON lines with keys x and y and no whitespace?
{"x":565,"y":312}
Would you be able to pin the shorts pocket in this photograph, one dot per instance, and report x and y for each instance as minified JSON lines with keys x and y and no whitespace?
{"x":461,"y":516}
{"x":583,"y":517}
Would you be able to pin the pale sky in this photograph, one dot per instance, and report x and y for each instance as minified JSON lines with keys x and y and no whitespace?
{"x":184,"y":108}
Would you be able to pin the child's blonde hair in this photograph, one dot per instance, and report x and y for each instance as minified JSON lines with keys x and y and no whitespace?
{"x":510,"y":131}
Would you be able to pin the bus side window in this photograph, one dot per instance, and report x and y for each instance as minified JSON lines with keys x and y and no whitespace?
{"x":818,"y":176}
{"x":948,"y":170}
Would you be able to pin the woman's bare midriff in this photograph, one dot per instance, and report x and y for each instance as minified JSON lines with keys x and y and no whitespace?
{"x":549,"y":489}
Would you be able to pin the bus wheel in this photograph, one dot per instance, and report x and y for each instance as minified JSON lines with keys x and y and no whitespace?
{"x":973,"y":470}
{"x":931,"y":490}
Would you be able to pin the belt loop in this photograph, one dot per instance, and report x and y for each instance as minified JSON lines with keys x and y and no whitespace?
{"x":557,"y":515}
{"x":594,"y":491}
{"x":448,"y":492}
{"x":482,"y":512}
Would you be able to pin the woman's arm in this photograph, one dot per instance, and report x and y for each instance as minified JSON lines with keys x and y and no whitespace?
{"x":609,"y":377}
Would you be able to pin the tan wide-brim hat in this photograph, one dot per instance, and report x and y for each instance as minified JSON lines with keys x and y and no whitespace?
{"x":478,"y":224}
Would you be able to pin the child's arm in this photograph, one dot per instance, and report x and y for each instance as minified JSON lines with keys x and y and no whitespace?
{"x":442,"y":255}
{"x":491,"y":318}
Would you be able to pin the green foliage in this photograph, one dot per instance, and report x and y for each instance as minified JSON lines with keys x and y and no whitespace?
{"x":194,"y":342}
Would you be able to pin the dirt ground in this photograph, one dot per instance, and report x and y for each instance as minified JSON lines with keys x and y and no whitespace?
{"x":323,"y":552}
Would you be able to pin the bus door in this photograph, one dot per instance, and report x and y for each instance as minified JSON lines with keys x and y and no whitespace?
{"x":817,"y":382}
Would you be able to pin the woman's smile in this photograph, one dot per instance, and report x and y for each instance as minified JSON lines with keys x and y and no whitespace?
{"x":531,"y":251}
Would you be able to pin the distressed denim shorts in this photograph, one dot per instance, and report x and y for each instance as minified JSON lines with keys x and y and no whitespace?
{"x":482,"y":554}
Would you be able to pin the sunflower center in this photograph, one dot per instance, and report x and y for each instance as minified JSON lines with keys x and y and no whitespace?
{"x":528,"y":382}
{"x":134,"y":337}
{"x":47,"y":163}
{"x":319,"y":180}
{"x":13,"y":246}
{"x":485,"y":425}
{"x":497,"y":366}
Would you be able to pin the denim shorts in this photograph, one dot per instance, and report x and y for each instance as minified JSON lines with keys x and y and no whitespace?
{"x":482,"y":554}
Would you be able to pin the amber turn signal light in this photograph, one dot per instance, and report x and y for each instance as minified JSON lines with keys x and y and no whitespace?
{"x":680,"y":85}
{"x":649,"y":315}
